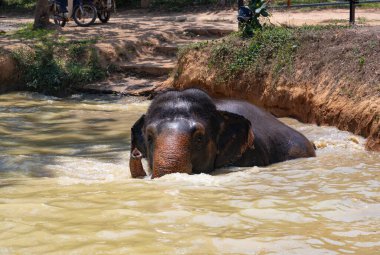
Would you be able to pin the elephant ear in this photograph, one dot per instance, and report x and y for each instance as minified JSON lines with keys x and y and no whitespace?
{"x":138,"y":150}
{"x":137,"y":138}
{"x":235,"y":137}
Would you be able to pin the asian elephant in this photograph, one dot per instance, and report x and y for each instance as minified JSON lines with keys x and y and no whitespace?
{"x":188,"y":132}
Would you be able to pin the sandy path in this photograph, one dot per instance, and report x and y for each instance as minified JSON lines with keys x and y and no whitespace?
{"x":140,"y":20}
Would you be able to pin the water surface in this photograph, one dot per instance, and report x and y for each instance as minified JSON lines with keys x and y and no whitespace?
{"x":65,"y":188}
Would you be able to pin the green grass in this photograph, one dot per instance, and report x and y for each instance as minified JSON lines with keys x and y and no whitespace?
{"x":55,"y":66}
{"x":362,"y":20}
{"x":369,"y":5}
{"x":271,"y":49}
{"x":27,"y":32}
{"x":192,"y":46}
{"x":336,"y":21}
{"x":18,"y":5}
{"x":361,"y":62}
{"x":316,"y":28}
{"x":233,"y":55}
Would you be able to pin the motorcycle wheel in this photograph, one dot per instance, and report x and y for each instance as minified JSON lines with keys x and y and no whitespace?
{"x":86,"y":17}
{"x":59,"y":20}
{"x":104,"y":16}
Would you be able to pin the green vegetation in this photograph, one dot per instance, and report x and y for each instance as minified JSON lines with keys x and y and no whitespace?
{"x":233,"y":55}
{"x":18,"y":5}
{"x":271,"y":50}
{"x":336,"y":21}
{"x":259,"y":9}
{"x":362,"y":20}
{"x":27,"y":32}
{"x":361,"y":62}
{"x":55,"y":66}
{"x":193,"y":46}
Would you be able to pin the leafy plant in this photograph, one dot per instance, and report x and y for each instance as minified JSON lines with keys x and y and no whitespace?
{"x":56,"y":67}
{"x":361,"y":62}
{"x":259,"y":9}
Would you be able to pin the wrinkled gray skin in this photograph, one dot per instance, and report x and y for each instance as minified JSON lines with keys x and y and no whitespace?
{"x":188,"y":132}
{"x":274,"y":141}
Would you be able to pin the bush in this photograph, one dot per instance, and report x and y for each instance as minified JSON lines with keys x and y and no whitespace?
{"x":259,"y":9}
{"x":56,"y":67}
{"x":232,"y":56}
{"x":18,"y":4}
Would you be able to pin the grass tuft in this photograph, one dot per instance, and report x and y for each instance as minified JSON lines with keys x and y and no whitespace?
{"x":55,"y":66}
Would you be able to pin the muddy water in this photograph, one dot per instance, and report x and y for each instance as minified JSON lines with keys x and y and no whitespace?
{"x":65,"y":189}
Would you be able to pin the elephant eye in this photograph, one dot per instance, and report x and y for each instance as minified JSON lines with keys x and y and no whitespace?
{"x":150,"y":134}
{"x":198,"y":133}
{"x":150,"y":139}
{"x":199,"y":138}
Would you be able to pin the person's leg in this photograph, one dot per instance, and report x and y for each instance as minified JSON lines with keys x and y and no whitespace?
{"x":70,"y":7}
{"x":62,"y":5}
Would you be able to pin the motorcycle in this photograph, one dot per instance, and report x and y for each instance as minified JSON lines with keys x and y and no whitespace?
{"x":104,"y":9}
{"x":244,"y":17}
{"x":84,"y":14}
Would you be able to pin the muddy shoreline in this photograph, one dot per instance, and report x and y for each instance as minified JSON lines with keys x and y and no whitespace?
{"x":336,"y":79}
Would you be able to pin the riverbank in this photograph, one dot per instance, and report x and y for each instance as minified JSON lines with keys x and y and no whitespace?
{"x":327,"y":76}
{"x":137,"y":49}
{"x":135,"y":55}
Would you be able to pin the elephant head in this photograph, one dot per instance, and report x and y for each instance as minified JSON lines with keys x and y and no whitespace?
{"x":184,"y":132}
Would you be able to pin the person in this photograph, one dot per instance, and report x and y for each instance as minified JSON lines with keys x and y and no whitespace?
{"x":66,"y":7}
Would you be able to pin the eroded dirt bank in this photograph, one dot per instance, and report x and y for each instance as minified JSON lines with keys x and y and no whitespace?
{"x":333,"y":79}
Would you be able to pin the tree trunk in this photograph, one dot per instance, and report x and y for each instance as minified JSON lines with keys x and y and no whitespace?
{"x":145,"y":3}
{"x":41,"y":14}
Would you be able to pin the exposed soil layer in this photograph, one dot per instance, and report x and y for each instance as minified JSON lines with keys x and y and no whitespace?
{"x":335,"y":80}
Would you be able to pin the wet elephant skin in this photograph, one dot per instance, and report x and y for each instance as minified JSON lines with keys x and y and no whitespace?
{"x":188,"y":132}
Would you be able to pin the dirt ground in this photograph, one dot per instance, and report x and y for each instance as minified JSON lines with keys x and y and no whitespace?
{"x":146,"y":42}
{"x":142,"y":27}
{"x":140,"y":20}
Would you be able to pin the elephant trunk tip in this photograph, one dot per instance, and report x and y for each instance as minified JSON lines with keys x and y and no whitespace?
{"x":136,"y":154}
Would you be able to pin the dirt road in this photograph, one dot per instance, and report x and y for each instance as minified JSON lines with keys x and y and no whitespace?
{"x":225,"y":18}
{"x":144,"y":44}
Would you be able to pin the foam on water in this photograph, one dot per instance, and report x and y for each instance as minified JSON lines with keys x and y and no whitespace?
{"x":226,"y":176}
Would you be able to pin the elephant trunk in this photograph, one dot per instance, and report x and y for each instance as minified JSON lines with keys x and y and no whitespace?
{"x":135,"y":164}
{"x":171,"y":155}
